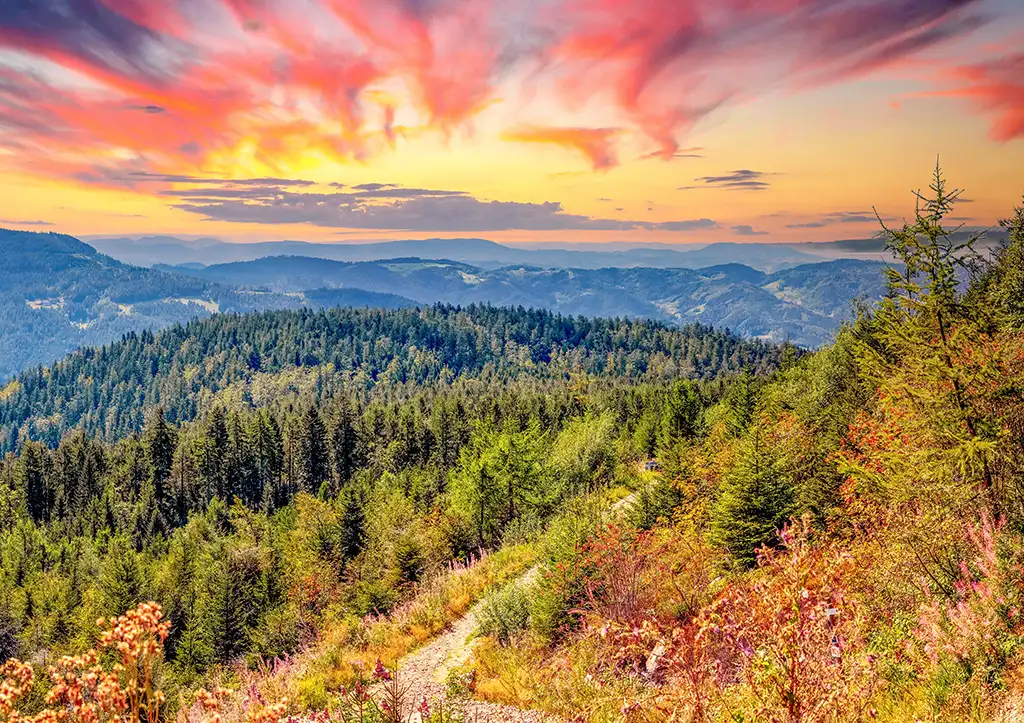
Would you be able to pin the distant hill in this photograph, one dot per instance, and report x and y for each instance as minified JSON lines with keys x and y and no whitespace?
{"x":805,"y":304}
{"x":58,"y":294}
{"x":151,"y":251}
{"x":251,"y":357}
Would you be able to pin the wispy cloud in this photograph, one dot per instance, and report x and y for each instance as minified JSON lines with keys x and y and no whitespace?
{"x":995,"y":87}
{"x":839,"y":217}
{"x":746,"y":230}
{"x":382,"y":206}
{"x":597,"y":144}
{"x":179,"y":86}
{"x":741,"y":180}
{"x":11,"y":222}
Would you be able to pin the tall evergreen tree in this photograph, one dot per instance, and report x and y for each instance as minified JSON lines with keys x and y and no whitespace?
{"x":344,"y":445}
{"x":214,"y":450}
{"x":681,"y":418}
{"x":32,"y":478}
{"x":312,"y":457}
{"x":755,"y":501}
{"x":160,"y":440}
{"x":121,"y":579}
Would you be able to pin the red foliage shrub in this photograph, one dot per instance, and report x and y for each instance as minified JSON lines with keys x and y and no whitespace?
{"x":798,"y":634}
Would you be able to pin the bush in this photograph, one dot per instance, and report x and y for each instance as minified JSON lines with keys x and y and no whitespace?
{"x":505,"y":613}
{"x":561,"y":587}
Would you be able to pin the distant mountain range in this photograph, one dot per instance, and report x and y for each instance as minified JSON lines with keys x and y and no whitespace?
{"x":58,"y":293}
{"x":804,"y":304}
{"x":155,"y":250}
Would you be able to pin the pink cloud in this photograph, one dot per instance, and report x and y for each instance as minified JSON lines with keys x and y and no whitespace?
{"x":180,"y":82}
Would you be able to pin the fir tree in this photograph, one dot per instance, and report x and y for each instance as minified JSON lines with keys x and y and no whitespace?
{"x":32,"y":478}
{"x":755,"y":501}
{"x":160,"y":440}
{"x":313,"y":461}
{"x":344,"y":445}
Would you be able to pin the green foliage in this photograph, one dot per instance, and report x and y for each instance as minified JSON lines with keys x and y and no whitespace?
{"x":656,"y":504}
{"x":500,"y":478}
{"x":561,"y":586}
{"x":582,"y":457}
{"x":681,"y":416}
{"x":187,"y":369}
{"x":121,"y":578}
{"x":755,"y":501}
{"x":312,"y":458}
{"x":504,"y":613}
{"x":928,"y":320}
{"x":1001,"y":286}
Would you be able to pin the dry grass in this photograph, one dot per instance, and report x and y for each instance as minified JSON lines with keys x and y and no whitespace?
{"x":349,"y":649}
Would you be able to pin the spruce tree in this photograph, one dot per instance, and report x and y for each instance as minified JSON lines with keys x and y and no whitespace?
{"x":755,"y":501}
{"x":344,"y":445}
{"x":681,"y":418}
{"x":313,"y":460}
{"x":160,"y":440}
{"x":121,"y":580}
{"x":214,"y":450}
{"x":32,"y":477}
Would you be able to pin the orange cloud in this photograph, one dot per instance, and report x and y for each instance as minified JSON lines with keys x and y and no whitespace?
{"x":178,"y":85}
{"x":669,"y":64}
{"x":996,"y":87}
{"x":597,"y":144}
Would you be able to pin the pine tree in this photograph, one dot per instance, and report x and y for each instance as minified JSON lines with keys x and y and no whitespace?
{"x":121,"y":579}
{"x":344,"y":445}
{"x":353,"y":523}
{"x":240,"y":463}
{"x":32,"y":478}
{"x":313,"y":460}
{"x":755,"y":501}
{"x":160,"y":440}
{"x":681,"y":418}
{"x":926,"y":324}
{"x":214,"y":450}
{"x":740,"y":402}
{"x":233,"y":604}
{"x":268,"y":461}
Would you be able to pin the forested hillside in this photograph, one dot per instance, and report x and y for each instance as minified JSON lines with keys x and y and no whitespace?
{"x":259,"y":530}
{"x":830,"y":537}
{"x":255,"y":359}
{"x":805,"y":305}
{"x":57,"y":294}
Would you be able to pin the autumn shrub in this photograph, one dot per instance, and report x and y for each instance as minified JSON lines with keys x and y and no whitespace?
{"x":799,"y":635}
{"x":980,"y":627}
{"x":504,"y":613}
{"x":116,"y":682}
{"x":621,"y":564}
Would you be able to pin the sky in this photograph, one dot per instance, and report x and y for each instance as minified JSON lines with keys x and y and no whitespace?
{"x":646,"y":121}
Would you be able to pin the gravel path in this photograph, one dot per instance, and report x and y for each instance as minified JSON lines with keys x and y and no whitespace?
{"x":424,"y":672}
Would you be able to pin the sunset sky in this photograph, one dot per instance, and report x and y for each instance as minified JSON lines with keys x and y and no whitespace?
{"x":672,"y":121}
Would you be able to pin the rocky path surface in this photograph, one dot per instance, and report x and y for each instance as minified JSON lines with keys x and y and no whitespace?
{"x":423,"y":672}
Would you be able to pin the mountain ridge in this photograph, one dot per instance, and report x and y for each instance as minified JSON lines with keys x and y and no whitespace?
{"x":477,"y":251}
{"x":805,"y":304}
{"x":61,"y":293}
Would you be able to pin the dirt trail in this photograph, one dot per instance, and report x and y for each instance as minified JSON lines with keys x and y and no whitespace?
{"x":424,"y":672}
